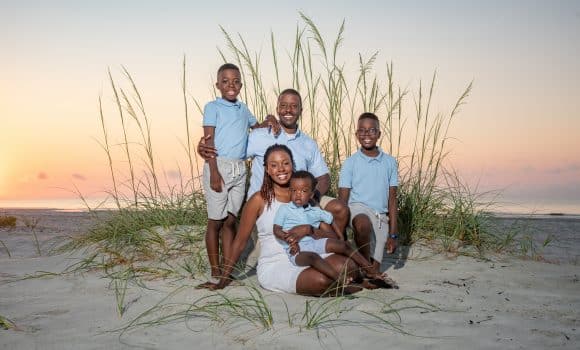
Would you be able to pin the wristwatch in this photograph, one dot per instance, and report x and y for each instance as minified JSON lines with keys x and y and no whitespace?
{"x":393,"y":235}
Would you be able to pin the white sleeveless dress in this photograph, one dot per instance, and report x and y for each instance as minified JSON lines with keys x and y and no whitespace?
{"x":275,"y":271}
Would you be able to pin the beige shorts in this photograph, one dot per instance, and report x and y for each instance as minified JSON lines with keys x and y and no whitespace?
{"x":325,"y":200}
{"x":231,"y":198}
{"x":380,"y":226}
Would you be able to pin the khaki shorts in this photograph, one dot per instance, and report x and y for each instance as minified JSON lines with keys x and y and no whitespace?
{"x":231,"y":198}
{"x":325,"y":200}
{"x":380,"y":226}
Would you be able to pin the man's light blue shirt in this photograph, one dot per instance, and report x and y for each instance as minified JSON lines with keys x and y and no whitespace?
{"x":369,"y":179}
{"x":231,"y":121}
{"x":304,"y":149}
{"x":290,"y":215}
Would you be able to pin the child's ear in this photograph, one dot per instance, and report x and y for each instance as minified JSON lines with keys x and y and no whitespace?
{"x":217,"y":85}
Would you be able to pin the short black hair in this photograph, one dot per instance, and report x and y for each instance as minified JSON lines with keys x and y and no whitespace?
{"x":225,"y":66}
{"x":291,"y":91}
{"x":303,"y":174}
{"x":368,"y":115}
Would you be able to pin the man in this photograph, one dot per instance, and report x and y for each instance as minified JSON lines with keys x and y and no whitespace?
{"x":304,"y":149}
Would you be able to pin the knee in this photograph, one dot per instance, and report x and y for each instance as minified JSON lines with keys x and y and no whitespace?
{"x":362,"y":223}
{"x":338,"y":209}
{"x":321,"y":281}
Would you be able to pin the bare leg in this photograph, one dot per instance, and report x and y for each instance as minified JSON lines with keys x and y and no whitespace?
{"x":342,"y":247}
{"x":363,"y":229}
{"x":228,"y":233}
{"x":314,"y":260}
{"x":212,"y":245}
{"x":314,"y":282}
{"x":340,"y":213}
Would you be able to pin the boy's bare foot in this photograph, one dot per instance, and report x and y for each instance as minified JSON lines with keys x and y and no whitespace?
{"x":367,"y":284}
{"x":384,"y":281}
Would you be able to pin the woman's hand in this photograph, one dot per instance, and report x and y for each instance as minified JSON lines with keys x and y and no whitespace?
{"x":298,"y":232}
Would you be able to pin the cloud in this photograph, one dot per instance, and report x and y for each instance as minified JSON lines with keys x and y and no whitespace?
{"x":79,"y":176}
{"x":42,"y":176}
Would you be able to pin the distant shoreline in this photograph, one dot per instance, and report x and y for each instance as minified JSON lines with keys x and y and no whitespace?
{"x":498,"y":214}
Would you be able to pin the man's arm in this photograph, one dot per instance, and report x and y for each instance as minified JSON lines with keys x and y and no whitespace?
{"x":323,"y":184}
{"x":204,"y":150}
{"x":343,"y":195}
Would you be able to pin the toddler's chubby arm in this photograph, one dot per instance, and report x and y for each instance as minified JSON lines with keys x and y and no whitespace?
{"x":215,"y":178}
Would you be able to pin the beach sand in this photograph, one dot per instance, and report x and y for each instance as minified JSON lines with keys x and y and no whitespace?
{"x":501,"y":302}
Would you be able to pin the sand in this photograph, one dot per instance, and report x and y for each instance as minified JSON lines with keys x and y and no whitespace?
{"x":502,"y":302}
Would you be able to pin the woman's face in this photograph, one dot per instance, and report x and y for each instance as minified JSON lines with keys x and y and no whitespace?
{"x":279,"y":167}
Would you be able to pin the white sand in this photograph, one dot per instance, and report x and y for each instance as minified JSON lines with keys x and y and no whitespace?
{"x":503,"y":303}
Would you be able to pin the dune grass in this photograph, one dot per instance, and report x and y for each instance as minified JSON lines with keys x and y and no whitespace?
{"x":156,"y":230}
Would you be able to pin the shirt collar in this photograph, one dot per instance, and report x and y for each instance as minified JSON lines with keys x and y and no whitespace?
{"x":371,"y":159}
{"x":294,"y":206}
{"x":227,"y":103}
{"x":296,"y":135}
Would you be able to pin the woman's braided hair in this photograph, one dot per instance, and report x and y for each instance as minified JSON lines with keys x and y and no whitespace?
{"x":267,"y":189}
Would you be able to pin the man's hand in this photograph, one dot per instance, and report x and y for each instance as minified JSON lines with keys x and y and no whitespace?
{"x":205,"y":151}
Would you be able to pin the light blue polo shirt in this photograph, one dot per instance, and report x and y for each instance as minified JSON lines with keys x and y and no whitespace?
{"x":369,"y":179}
{"x":231,"y":121}
{"x":304,"y":149}
{"x":290,"y":215}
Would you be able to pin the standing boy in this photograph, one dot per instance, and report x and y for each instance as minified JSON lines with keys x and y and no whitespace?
{"x":225,"y":126}
{"x":368,"y":183}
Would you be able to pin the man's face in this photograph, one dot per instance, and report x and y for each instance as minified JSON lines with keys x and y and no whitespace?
{"x":229,"y":84}
{"x":289,"y":109}
{"x":301,"y":191}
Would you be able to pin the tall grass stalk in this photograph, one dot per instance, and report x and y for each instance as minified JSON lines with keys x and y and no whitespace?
{"x":410,"y":130}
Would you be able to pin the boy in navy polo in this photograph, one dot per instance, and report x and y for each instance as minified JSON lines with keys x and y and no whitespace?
{"x":368,"y":183}
{"x":225,"y":126}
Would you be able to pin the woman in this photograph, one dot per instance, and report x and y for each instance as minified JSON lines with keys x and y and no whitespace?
{"x":275,"y":271}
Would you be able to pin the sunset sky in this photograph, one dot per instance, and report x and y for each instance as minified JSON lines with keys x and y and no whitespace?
{"x":519,"y":131}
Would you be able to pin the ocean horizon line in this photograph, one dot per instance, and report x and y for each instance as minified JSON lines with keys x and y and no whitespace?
{"x":552,"y":209}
